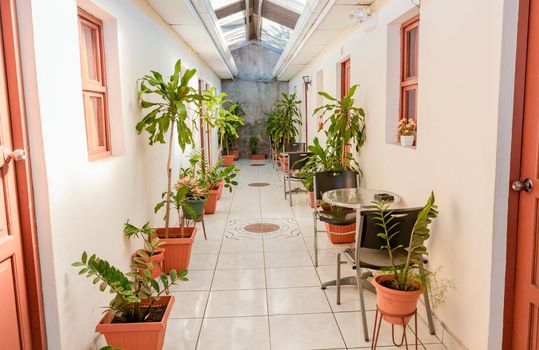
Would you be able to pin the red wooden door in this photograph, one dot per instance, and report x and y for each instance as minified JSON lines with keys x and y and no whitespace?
{"x":345,"y":77}
{"x":14,"y":317}
{"x":526,"y":291}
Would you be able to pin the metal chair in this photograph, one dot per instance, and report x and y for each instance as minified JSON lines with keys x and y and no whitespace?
{"x":367,"y":251}
{"x":294,"y":147}
{"x":295,"y":161}
{"x":327,"y":181}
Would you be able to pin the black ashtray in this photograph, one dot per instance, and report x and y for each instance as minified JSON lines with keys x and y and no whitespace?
{"x":384,"y":197}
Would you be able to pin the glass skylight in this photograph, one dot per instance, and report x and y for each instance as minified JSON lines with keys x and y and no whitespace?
{"x":294,"y":5}
{"x":274,"y":34}
{"x":233,"y":28}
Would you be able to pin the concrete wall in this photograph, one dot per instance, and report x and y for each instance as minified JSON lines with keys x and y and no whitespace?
{"x":82,"y":205}
{"x":464,"y":126}
{"x":257,"y":92}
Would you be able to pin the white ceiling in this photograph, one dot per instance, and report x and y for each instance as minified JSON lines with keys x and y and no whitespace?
{"x":187,"y":23}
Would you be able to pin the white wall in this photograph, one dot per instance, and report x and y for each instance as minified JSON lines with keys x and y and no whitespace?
{"x":82,"y":205}
{"x":460,"y":150}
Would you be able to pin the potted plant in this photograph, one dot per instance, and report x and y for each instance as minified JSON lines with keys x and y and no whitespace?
{"x":167,"y":115}
{"x":253,"y":148}
{"x":180,"y":242}
{"x":227,"y":124}
{"x":137,"y":315}
{"x":287,"y":118}
{"x":407,"y":129}
{"x":238,"y":111}
{"x":345,"y":128}
{"x":154,"y":253}
{"x":398,"y":289}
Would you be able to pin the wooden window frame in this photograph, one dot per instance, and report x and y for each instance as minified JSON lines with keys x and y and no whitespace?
{"x":91,"y":88}
{"x":346,"y":76}
{"x":408,"y":83}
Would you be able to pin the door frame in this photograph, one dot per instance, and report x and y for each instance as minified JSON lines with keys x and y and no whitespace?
{"x":514,"y":170}
{"x":23,"y":173}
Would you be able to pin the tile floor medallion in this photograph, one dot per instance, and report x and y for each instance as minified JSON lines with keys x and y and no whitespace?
{"x":253,"y":285}
{"x":256,"y":228}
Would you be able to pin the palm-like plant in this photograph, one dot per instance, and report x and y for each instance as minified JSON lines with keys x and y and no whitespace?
{"x":346,"y":126}
{"x":287,"y":119}
{"x":416,"y":249}
{"x":228,"y":123}
{"x":168,"y":113}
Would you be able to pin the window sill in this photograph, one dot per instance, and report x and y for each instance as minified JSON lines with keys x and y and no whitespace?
{"x":398,"y":144}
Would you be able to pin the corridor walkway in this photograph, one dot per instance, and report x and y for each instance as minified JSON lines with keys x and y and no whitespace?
{"x":261,"y":290}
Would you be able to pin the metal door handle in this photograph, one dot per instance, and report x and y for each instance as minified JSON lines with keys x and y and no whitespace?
{"x":6,"y":155}
{"x":519,"y":186}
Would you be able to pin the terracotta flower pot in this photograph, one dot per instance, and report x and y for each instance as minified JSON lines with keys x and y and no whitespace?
{"x":236,"y":154}
{"x":284,"y":165}
{"x":198,"y":207}
{"x":227,"y":160}
{"x":211,"y":202}
{"x":395,"y":302}
{"x":177,"y":247}
{"x":338,"y":234}
{"x":220,"y":185}
{"x":157,"y":259}
{"x":311,"y":199}
{"x":257,"y":156}
{"x":136,"y":336}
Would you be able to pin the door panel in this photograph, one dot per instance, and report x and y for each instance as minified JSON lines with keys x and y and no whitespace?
{"x":526,"y":298}
{"x":15,"y":327}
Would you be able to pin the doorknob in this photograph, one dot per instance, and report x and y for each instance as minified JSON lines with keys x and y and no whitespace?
{"x":6,"y":155}
{"x":519,"y":186}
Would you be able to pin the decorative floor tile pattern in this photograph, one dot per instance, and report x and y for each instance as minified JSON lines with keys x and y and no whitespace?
{"x":253,"y":284}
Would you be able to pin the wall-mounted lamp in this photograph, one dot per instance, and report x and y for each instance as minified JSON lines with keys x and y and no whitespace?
{"x":359,"y":15}
{"x":307,"y":80}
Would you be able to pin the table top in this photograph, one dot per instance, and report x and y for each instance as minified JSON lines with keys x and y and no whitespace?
{"x":355,"y":198}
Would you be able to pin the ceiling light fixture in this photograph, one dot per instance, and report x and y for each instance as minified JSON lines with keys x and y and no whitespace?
{"x":359,"y":15}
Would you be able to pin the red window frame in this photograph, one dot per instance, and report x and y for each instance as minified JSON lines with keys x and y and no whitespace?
{"x":97,"y":129}
{"x":408,"y":82}
{"x":345,"y":77}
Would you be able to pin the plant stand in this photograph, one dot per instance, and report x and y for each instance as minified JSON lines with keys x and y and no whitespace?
{"x":405,"y":318}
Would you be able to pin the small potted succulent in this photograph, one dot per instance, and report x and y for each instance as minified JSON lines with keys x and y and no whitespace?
{"x":398,"y":289}
{"x":253,"y":148}
{"x":138,"y":313}
{"x":407,"y":129}
{"x":154,"y":252}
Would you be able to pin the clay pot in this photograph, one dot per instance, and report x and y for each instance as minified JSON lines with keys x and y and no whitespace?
{"x":396,"y":302}
{"x":220,"y":185}
{"x":339,"y":234}
{"x":177,"y":247}
{"x":236,"y":154}
{"x":157,"y":259}
{"x":136,"y":336}
{"x":227,"y":160}
{"x":211,"y":202}
{"x":311,"y":199}
{"x":257,"y":156}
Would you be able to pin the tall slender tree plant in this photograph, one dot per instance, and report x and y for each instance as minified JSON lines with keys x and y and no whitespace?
{"x":287,"y":118}
{"x":168,"y":101}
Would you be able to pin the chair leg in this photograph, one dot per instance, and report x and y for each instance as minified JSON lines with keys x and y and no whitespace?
{"x":338,"y":281}
{"x":427,"y":301}
{"x":290,"y":189}
{"x":284,"y":185}
{"x":362,"y":303}
{"x":204,"y":228}
{"x":315,"y":241}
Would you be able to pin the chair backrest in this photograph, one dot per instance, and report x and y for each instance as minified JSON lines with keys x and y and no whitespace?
{"x":333,"y":180}
{"x":405,"y":219}
{"x":294,"y":147}
{"x":296,"y":160}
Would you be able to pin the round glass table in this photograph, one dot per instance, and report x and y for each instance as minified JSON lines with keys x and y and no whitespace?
{"x":358,"y":198}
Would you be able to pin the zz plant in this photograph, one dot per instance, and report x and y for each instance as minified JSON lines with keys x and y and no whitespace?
{"x":136,"y":294}
{"x":404,"y":274}
{"x":167,"y":101}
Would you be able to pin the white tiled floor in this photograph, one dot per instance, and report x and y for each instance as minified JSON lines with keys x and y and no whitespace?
{"x":256,"y":291}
